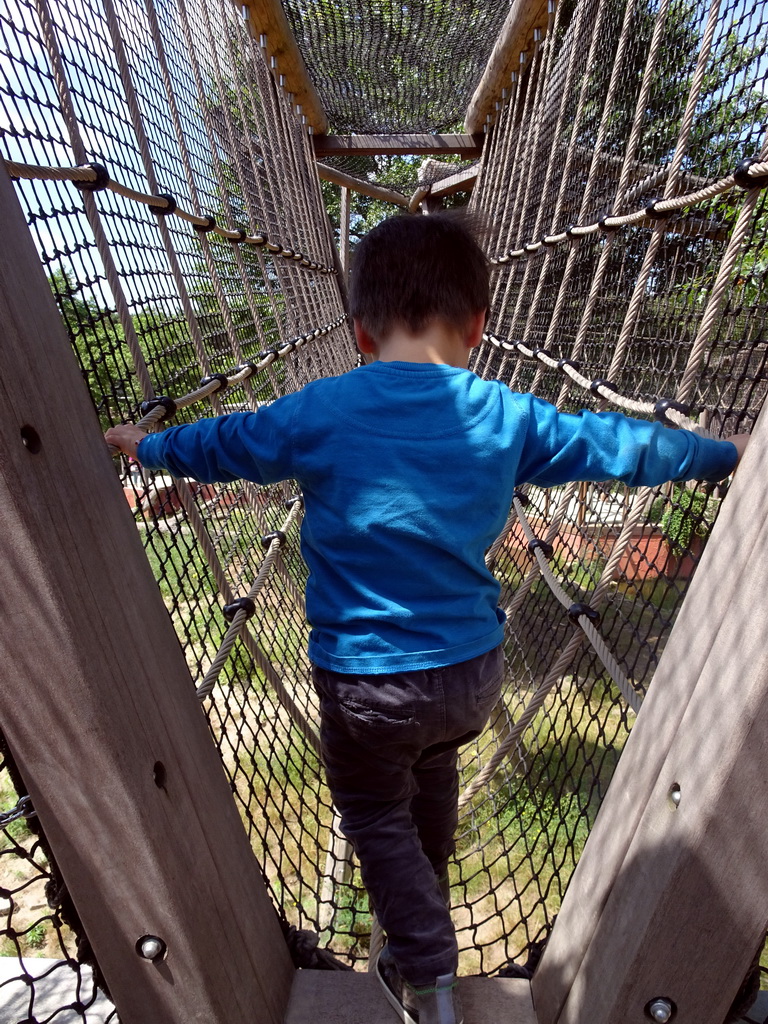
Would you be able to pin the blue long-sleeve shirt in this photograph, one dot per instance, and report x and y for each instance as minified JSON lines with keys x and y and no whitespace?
{"x":407,"y":471}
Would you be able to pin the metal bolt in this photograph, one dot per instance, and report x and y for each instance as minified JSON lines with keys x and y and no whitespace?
{"x":660,"y":1010}
{"x":150,"y":947}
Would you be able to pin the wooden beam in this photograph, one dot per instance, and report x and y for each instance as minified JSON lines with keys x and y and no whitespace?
{"x":365,"y":188}
{"x":469,"y":146}
{"x":670,"y":899}
{"x":268,"y":18}
{"x":417,"y":198}
{"x":463,"y":180}
{"x":514,"y":38}
{"x":98,"y":706}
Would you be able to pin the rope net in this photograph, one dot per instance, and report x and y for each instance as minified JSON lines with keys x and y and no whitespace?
{"x":616,"y":106}
{"x":387,"y":67}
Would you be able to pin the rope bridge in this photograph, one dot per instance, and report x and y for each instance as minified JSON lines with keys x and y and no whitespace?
{"x":159,"y":158}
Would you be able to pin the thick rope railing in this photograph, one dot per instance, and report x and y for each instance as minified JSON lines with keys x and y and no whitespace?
{"x":579,"y":613}
{"x":243,"y":608}
{"x":156,"y":410}
{"x":512,"y":740}
{"x":95,"y":178}
{"x":750,"y":173}
{"x":666,"y":410}
{"x":262,"y":662}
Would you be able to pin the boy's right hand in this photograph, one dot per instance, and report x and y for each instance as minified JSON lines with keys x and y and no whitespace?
{"x":740,"y":441}
{"x":125,"y":437}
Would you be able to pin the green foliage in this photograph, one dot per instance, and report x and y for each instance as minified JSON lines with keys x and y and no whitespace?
{"x":352,"y":919}
{"x":36,"y":936}
{"x":686,"y":515}
{"x":728,"y":114}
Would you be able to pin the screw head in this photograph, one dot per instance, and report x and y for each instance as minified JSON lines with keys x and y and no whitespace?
{"x":150,"y":947}
{"x":660,"y":1010}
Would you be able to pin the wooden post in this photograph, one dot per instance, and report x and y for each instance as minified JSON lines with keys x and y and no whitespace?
{"x":670,"y":898}
{"x":344,"y":230}
{"x":98,"y":706}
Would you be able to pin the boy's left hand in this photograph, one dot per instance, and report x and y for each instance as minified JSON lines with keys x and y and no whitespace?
{"x":740,"y":441}
{"x":126,"y":437}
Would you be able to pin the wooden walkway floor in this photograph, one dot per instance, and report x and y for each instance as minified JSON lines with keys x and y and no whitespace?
{"x":318,"y":997}
{"x":341,"y":997}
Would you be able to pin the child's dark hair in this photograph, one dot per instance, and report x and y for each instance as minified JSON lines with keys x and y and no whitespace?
{"x":411,"y":270}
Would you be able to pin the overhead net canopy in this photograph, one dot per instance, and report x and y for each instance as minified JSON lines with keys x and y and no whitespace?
{"x":385,"y":67}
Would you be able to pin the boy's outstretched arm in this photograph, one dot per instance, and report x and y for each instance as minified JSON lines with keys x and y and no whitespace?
{"x":561,"y":447}
{"x":254,"y":446}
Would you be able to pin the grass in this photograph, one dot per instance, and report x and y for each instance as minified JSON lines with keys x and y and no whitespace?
{"x":522,"y":837}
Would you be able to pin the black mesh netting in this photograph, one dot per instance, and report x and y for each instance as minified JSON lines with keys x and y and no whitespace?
{"x":635,"y":305}
{"x":386,"y":67}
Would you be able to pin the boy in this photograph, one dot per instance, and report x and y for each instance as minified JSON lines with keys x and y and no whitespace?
{"x":407,"y":467}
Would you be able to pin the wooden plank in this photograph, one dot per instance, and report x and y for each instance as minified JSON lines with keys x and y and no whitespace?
{"x":672,"y":902}
{"x":98,"y":706}
{"x":469,"y":146}
{"x":516,"y":36}
{"x":268,"y":18}
{"x":365,"y":188}
{"x":347,"y":997}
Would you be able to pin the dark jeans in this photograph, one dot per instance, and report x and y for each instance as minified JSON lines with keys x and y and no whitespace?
{"x":389,"y":746}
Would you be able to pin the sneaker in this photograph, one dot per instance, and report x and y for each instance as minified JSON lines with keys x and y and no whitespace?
{"x":438,"y":1004}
